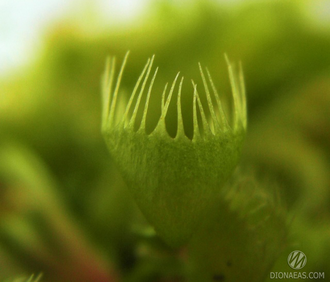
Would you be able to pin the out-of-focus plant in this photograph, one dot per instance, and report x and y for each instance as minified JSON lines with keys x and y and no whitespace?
{"x":35,"y":227}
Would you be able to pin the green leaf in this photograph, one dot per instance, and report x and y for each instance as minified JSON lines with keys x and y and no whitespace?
{"x":173,"y":180}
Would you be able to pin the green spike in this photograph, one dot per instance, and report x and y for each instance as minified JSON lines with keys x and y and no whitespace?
{"x":197,"y":133}
{"x":134,"y":91}
{"x":106,"y":91}
{"x":143,"y":122}
{"x":209,"y":100}
{"x":180,"y":129}
{"x":206,"y":126}
{"x":135,"y":111}
{"x":223,"y":119}
{"x":234,"y":93}
{"x":161,"y":123}
{"x":243,"y":95}
{"x":115,"y":93}
{"x":169,"y":98}
{"x":163,"y":96}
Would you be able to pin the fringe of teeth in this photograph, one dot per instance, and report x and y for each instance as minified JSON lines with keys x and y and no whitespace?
{"x":216,"y":123}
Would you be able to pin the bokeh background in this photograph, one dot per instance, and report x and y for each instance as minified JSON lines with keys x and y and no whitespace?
{"x":64,"y":209}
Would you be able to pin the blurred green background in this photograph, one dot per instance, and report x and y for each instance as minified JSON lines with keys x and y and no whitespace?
{"x":64,"y":209}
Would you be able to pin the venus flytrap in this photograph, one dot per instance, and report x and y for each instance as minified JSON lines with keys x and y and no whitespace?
{"x":233,"y":232}
{"x":173,"y":179}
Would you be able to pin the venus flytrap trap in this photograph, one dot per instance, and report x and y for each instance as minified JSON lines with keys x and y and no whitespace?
{"x":233,"y":232}
{"x":173,"y":179}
